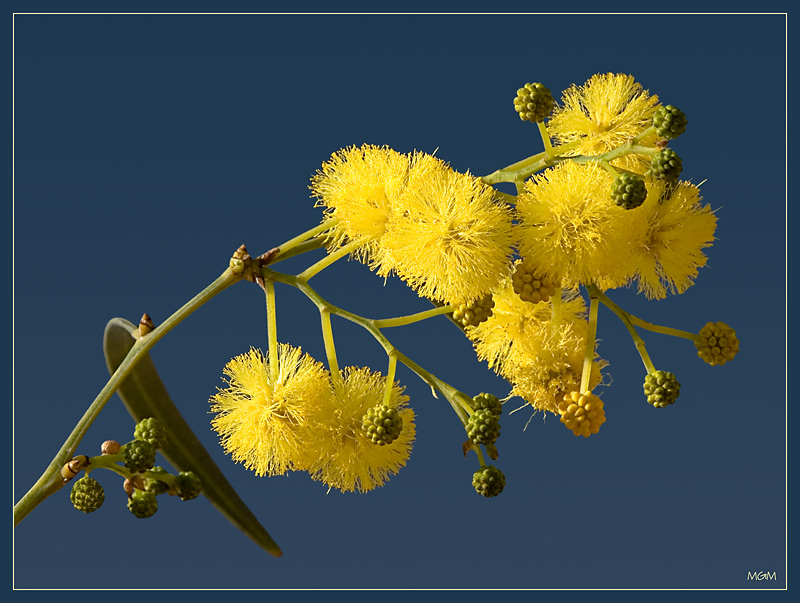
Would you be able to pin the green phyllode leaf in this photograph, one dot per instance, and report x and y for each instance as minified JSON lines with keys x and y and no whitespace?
{"x":145,"y":396}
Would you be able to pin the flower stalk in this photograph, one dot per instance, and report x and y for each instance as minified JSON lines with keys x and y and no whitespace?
{"x":625,"y":318}
{"x":50,"y":481}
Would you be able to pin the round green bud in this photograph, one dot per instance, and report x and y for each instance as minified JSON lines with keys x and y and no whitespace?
{"x":488,"y":402}
{"x":628,"y":191}
{"x":670,"y":122}
{"x":665,"y":165}
{"x":143,"y":504}
{"x":661,"y":388}
{"x":534,"y":102}
{"x":155,"y":485}
{"x":717,"y":343}
{"x":475,"y":312}
{"x":483,"y":427}
{"x":382,"y":424}
{"x":139,"y":456}
{"x":87,"y":495}
{"x":488,"y":481}
{"x":151,"y":430}
{"x":187,"y":485}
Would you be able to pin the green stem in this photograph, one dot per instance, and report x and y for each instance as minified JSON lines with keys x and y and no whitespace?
{"x":661,"y":329}
{"x":643,"y":134}
{"x":548,"y":146}
{"x":390,"y":373}
{"x":591,"y":338}
{"x":510,"y":199}
{"x":272,"y":330}
{"x":555,"y":307}
{"x":621,"y":151}
{"x":310,"y":245}
{"x":521,"y":170}
{"x":330,"y":348}
{"x":305,"y":236}
{"x":609,"y":168}
{"x":460,"y":407}
{"x":51,"y":481}
{"x":400,"y":321}
{"x":477,"y":449}
{"x":626,"y":320}
{"x":109,"y":461}
{"x":449,"y":392}
{"x":331,"y":258}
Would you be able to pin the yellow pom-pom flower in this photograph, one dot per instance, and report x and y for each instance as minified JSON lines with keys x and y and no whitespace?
{"x":554,"y":367}
{"x":572,"y":231}
{"x":447,"y":237}
{"x":518,"y":334}
{"x":678,"y":230}
{"x":342,"y":454}
{"x":603,"y":114}
{"x":582,"y":414}
{"x":261,"y":419}
{"x":359,"y":186}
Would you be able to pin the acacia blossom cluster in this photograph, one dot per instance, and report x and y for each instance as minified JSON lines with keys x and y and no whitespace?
{"x":510,"y":267}
{"x":301,"y":418}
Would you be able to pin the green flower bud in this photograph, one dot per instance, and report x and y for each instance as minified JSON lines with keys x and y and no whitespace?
{"x":661,"y":388}
{"x":534,"y":102}
{"x":154,"y":485}
{"x":139,"y":456}
{"x":143,"y":504}
{"x":628,"y":191}
{"x":488,"y":402}
{"x":488,"y":481}
{"x":670,"y":122}
{"x":666,"y":165}
{"x":483,"y":427}
{"x":382,"y":424}
{"x":187,"y":485}
{"x":87,"y":495}
{"x":151,"y":430}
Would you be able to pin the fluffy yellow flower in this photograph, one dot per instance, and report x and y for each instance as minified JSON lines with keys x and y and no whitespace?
{"x":342,"y":455}
{"x":519,"y":343}
{"x":510,"y":337}
{"x":260,"y":420}
{"x":679,"y":228}
{"x":555,"y":368}
{"x":556,"y":373}
{"x":447,"y":237}
{"x":573,"y":232}
{"x":359,"y":187}
{"x":604,"y":113}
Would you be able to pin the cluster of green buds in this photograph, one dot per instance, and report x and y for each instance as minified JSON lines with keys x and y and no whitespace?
{"x":629,"y":190}
{"x":135,"y":462}
{"x":483,"y":427}
{"x":716,"y":344}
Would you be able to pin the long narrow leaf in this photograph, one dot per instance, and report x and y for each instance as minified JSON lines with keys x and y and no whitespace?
{"x":145,"y":396}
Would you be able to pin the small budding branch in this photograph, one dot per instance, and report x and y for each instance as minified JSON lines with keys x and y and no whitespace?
{"x":601,"y":207}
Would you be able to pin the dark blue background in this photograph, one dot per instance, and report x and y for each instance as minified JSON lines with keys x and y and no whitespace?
{"x":148,"y":147}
